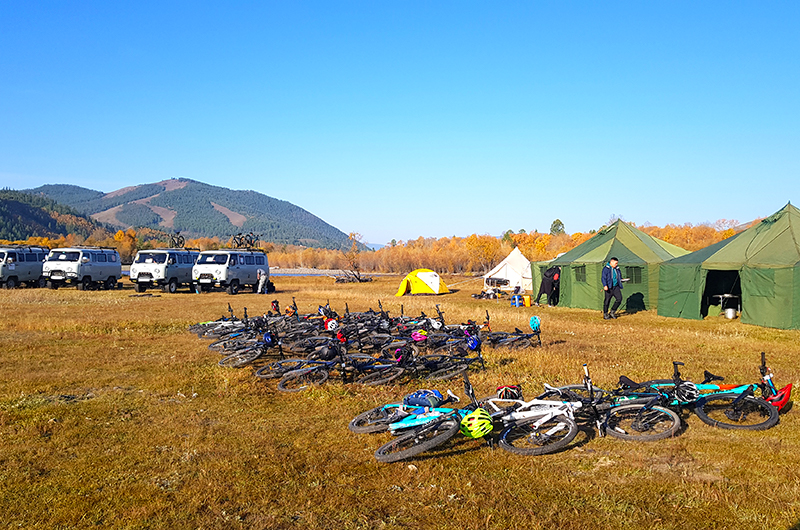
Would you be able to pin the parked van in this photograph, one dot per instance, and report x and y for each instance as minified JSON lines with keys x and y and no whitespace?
{"x":84,"y":267}
{"x":228,"y":269}
{"x":168,"y":268}
{"x":22,"y":264}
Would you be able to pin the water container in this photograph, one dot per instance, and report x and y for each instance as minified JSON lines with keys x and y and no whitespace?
{"x":730,"y":313}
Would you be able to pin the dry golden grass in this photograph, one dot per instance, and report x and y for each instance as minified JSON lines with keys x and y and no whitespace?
{"x":113,"y":415}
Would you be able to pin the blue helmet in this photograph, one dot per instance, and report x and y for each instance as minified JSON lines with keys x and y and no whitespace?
{"x":473,"y":343}
{"x":536,"y":324}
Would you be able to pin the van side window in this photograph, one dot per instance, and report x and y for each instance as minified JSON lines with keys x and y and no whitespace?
{"x":241,"y":260}
{"x":173,"y":258}
{"x":101,"y":258}
{"x":248,"y":260}
{"x":259,"y":260}
{"x":42,"y":256}
{"x":112,"y":257}
{"x":31,"y":257}
{"x":12,"y":256}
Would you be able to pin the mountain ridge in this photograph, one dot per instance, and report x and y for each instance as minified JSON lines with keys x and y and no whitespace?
{"x":197,"y":209}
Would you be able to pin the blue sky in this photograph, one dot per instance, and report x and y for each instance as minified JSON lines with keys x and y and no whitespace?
{"x":407,"y":119}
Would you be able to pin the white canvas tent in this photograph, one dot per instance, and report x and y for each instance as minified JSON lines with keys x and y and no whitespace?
{"x":514,"y":271}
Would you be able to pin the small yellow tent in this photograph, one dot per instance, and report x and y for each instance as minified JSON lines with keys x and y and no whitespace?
{"x":422,"y":281}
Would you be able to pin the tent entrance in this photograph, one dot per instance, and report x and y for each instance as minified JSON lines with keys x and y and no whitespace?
{"x":720,"y":283}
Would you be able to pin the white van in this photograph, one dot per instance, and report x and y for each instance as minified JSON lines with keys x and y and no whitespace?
{"x":168,"y":268}
{"x":22,"y":264}
{"x":84,"y":267}
{"x":228,"y":269}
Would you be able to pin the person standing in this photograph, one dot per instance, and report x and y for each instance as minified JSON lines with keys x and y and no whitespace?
{"x":547,"y":287}
{"x":612,"y":286}
{"x":262,"y":276}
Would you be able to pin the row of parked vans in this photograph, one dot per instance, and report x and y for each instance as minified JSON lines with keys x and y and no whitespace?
{"x":167,"y":268}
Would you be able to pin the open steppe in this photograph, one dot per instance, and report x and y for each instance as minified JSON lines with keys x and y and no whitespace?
{"x":113,"y":415}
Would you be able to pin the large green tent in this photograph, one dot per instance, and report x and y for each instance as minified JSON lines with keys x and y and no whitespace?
{"x":758,"y":270}
{"x":639,"y":254}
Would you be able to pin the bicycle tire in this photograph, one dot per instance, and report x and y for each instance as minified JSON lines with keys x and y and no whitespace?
{"x":381,"y":376}
{"x":580,"y":390}
{"x":419,"y":440}
{"x":525,"y":438}
{"x":750,"y":413}
{"x":631,"y":422}
{"x":240,"y":358}
{"x":447,"y":373}
{"x":371,"y":421}
{"x":301,"y":380}
{"x":278,"y":369}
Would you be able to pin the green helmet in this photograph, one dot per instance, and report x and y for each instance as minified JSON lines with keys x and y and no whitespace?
{"x":476,"y":424}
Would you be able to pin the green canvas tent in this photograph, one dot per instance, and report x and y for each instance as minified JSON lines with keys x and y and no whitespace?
{"x":759,"y":269}
{"x":639,"y":254}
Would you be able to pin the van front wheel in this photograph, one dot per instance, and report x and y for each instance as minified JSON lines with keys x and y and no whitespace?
{"x":85,"y":284}
{"x":110,"y":283}
{"x":172,"y":286}
{"x":139,"y":287}
{"x":11,"y":283}
{"x":233,"y":288}
{"x":52,"y":285}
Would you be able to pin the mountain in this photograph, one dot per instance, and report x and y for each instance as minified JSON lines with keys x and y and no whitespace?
{"x":199,"y":210}
{"x":23,"y":215}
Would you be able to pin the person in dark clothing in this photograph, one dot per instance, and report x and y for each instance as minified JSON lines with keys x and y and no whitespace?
{"x":612,"y":285}
{"x":548,"y":285}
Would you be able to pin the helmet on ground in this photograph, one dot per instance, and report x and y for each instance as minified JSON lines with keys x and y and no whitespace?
{"x":435,"y":324}
{"x":535,"y":323}
{"x":509,"y":392}
{"x":473,"y":343}
{"x":270,"y":339}
{"x":687,"y":392}
{"x":419,"y":336}
{"x":331,"y":324}
{"x":476,"y":424}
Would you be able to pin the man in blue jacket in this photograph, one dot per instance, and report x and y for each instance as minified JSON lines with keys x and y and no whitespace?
{"x":612,"y":286}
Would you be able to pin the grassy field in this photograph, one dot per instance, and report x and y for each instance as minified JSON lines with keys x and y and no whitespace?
{"x":112,"y":415}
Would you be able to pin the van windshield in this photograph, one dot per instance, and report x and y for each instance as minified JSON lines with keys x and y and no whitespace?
{"x":219,"y":259}
{"x":60,"y":255}
{"x":2,"y":256}
{"x":151,"y":257}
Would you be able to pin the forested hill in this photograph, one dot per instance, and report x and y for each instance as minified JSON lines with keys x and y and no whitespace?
{"x":200,"y":210}
{"x":23,"y":215}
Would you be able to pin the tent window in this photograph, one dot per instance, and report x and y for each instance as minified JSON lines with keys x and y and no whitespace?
{"x":634,"y":274}
{"x":580,"y":273}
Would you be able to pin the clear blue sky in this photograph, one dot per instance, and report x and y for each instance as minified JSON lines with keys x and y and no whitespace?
{"x":407,"y":119}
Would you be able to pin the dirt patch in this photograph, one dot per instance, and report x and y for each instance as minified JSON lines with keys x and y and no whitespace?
{"x":173,"y":184}
{"x":108,"y":216}
{"x":167,"y":215}
{"x":236,"y":219}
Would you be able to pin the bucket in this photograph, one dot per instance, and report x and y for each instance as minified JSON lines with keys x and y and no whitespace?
{"x":730,"y":313}
{"x":526,"y":300}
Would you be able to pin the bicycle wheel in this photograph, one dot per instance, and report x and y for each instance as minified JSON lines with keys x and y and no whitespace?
{"x":580,"y":390}
{"x":447,"y":373}
{"x":637,"y":423}
{"x":727,"y":411}
{"x":381,"y":376}
{"x":375,"y":420}
{"x":419,"y":440}
{"x":302,"y":379}
{"x":529,"y":438}
{"x":241,"y":358}
{"x":279,"y":368}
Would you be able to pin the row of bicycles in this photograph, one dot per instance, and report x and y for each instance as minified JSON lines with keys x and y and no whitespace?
{"x":369,"y":348}
{"x":646,"y":411}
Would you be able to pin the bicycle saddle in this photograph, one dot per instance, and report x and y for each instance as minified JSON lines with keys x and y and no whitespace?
{"x":708,"y":377}
{"x":628,"y":384}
